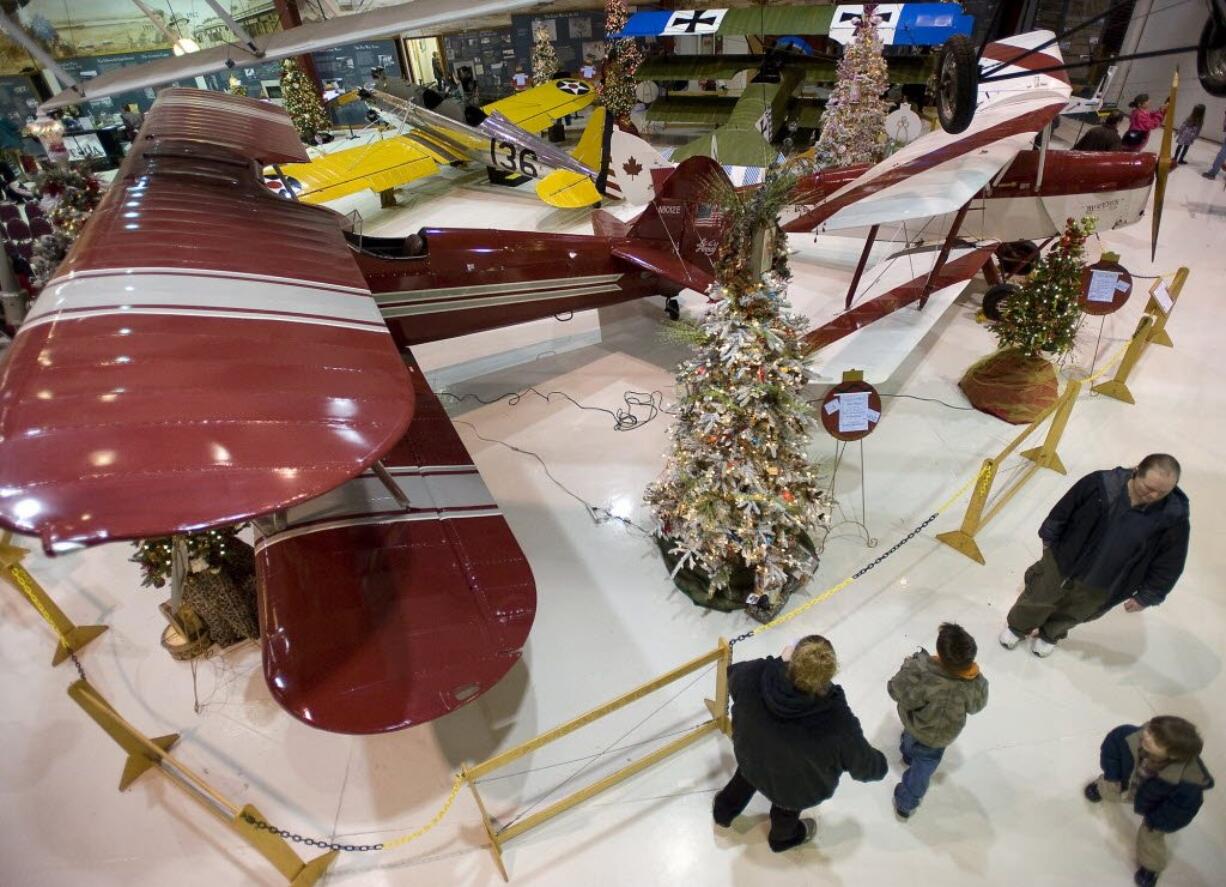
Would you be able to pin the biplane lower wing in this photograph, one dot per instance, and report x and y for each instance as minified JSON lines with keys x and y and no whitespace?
{"x":206,"y":352}
{"x":376,"y":616}
{"x":896,"y":282}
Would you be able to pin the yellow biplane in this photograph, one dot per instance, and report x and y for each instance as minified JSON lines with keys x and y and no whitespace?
{"x":500,"y":135}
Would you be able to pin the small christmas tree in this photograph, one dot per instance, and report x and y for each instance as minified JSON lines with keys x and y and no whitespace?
{"x":303,"y":103}
{"x":235,"y":86}
{"x":622,"y":59}
{"x":853,"y":125}
{"x":1044,"y":315}
{"x":544,"y":58}
{"x":739,"y":492}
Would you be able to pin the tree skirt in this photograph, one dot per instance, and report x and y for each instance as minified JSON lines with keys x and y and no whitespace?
{"x":1011,"y":386}
{"x":696,"y":585}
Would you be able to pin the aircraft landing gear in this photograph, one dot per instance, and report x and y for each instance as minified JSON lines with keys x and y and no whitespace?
{"x":957,"y":84}
{"x":672,"y":308}
{"x":1211,"y":55}
{"x":995,"y":297}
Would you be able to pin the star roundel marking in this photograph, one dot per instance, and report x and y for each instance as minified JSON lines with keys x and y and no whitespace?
{"x":574,"y":87}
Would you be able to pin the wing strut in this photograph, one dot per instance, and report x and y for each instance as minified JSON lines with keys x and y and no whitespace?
{"x":931,"y":282}
{"x":855,"y":280}
{"x":391,"y":486}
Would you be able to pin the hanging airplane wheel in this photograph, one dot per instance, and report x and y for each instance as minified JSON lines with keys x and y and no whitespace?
{"x":1211,"y":57}
{"x":957,"y":84}
{"x":995,"y":298}
{"x":672,"y":308}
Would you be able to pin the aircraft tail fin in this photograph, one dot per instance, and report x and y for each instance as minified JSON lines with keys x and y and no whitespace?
{"x":636,"y":169}
{"x":590,"y":150}
{"x":679,"y":233}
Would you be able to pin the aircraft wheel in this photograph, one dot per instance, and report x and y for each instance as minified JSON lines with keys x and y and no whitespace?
{"x":672,"y":308}
{"x":1211,"y":57}
{"x":957,"y":84}
{"x":995,"y":298}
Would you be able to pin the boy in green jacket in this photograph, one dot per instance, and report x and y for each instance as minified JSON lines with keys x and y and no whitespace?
{"x":934,"y":696}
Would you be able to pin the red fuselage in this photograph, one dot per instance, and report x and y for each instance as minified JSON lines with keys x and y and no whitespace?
{"x":470,"y":279}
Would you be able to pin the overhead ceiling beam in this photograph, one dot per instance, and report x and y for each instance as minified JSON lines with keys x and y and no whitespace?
{"x":235,"y":28}
{"x":171,"y":38}
{"x":35,"y":49}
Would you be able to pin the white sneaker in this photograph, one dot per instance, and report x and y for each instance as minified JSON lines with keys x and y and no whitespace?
{"x":1041,"y":647}
{"x":1008,"y":639}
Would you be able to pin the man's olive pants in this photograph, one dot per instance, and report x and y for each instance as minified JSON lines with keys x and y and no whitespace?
{"x":1052,"y":604}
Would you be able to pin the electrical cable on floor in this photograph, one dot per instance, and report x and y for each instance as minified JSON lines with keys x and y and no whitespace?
{"x":598,"y":514}
{"x":944,"y":403}
{"x":623,"y":419}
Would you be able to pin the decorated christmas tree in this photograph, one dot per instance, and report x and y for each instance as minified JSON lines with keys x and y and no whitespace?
{"x":68,"y":197}
{"x":1044,"y":315}
{"x":303,"y":103}
{"x":235,"y":86}
{"x":544,"y":58}
{"x":1017,"y":382}
{"x":739,"y":498}
{"x":622,"y":59}
{"x":853,"y":125}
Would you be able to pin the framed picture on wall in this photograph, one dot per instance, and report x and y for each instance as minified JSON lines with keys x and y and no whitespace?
{"x":580,"y":27}
{"x":550,"y":25}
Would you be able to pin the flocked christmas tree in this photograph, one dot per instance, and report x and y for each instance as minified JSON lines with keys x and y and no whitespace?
{"x":1044,"y":315}
{"x":853,"y":125}
{"x":622,"y":59}
{"x":544,"y":58}
{"x":739,"y":494}
{"x":302,"y":102}
{"x":68,"y":197}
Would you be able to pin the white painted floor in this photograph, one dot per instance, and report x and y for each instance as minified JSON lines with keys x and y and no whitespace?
{"x":1006,"y":807}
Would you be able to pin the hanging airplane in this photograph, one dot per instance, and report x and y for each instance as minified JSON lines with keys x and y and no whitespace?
{"x":746,"y":125}
{"x":209,"y":353}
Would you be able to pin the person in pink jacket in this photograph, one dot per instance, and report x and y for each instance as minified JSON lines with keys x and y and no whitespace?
{"x":1141,"y":122}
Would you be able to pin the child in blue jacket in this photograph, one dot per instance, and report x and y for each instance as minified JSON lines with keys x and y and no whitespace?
{"x":1157,"y":767}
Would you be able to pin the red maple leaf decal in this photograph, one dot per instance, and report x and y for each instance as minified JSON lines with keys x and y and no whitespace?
{"x":632,"y":167}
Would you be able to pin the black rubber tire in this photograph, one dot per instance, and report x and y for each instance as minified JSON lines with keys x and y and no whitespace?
{"x":1211,"y":58}
{"x":672,"y":308}
{"x":995,"y":297}
{"x":957,"y":77}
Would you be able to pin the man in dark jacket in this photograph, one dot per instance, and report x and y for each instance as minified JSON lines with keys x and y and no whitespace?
{"x":1157,"y":767}
{"x":793,"y":736}
{"x":1118,"y":536}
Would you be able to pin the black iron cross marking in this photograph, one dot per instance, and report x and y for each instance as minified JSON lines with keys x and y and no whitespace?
{"x":845,"y":17}
{"x":691,"y":25}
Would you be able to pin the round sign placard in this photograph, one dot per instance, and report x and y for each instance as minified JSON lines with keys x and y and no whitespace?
{"x":1105,"y":287}
{"x":850,"y":410}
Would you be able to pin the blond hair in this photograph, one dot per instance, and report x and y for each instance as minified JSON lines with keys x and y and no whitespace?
{"x":813,"y":665}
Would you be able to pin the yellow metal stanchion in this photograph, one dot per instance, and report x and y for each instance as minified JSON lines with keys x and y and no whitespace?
{"x":145,"y":753}
{"x":1117,"y":387}
{"x":70,"y":638}
{"x":1043,"y":456}
{"x":1158,"y":334}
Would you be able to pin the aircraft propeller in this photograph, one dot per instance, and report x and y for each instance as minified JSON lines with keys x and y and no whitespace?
{"x":1164,"y":165}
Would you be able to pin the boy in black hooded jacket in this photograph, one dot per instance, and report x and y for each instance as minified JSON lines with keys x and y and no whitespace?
{"x":794,"y":736}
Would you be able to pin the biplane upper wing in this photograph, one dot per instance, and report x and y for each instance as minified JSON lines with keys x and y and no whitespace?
{"x":939,"y":173}
{"x":535,"y":110}
{"x":387,"y":163}
{"x":902,"y":24}
{"x":207,"y":351}
{"x":383,"y":21}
